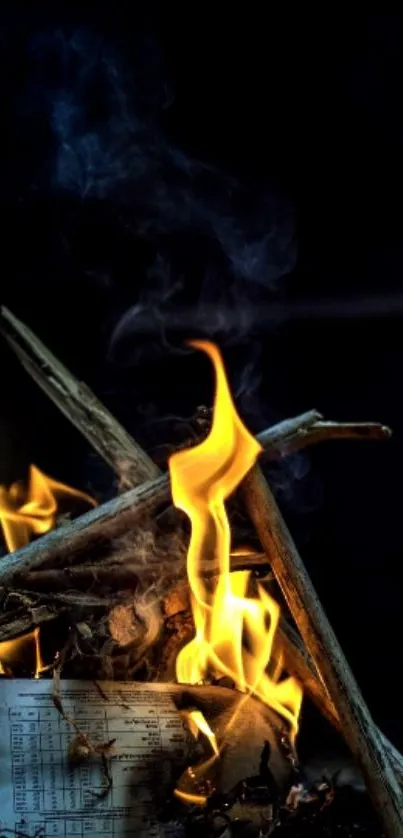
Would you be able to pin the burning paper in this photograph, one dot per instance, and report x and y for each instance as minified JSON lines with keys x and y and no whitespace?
{"x":41,"y":793}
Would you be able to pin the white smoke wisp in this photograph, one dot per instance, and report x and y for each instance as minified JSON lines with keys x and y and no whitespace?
{"x":106,"y":107}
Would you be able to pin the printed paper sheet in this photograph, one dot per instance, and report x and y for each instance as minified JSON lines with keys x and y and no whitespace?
{"x":42,"y":795}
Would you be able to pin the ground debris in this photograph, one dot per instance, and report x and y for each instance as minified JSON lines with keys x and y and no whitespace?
{"x":320,"y":810}
{"x":344,"y":812}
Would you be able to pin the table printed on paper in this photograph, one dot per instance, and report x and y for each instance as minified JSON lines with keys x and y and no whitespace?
{"x":43,"y":795}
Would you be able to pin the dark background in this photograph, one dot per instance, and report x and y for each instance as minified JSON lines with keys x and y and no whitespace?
{"x":239,"y":178}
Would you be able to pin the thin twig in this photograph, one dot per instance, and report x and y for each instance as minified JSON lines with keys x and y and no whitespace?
{"x":26,"y":620}
{"x":327,"y":431}
{"x":120,"y":576}
{"x":78,"y":599}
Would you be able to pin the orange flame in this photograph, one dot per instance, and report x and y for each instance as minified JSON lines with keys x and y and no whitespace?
{"x":11,"y":651}
{"x":234,"y":632}
{"x":25,"y":512}
{"x":32,"y":511}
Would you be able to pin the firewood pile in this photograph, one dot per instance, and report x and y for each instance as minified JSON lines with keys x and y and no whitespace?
{"x":112,"y":587}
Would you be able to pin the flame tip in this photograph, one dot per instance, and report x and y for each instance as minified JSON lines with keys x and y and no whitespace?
{"x":202,"y":478}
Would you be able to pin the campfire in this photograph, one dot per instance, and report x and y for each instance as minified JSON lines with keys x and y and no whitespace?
{"x":206,"y":602}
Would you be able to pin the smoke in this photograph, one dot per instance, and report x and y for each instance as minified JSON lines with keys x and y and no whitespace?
{"x":213,"y":242}
{"x":234,"y":237}
{"x":107,"y":106}
{"x":217,"y":245}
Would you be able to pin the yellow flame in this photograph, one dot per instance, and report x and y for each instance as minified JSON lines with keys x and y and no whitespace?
{"x":32,"y":511}
{"x":25,"y":512}
{"x":12,"y":651}
{"x":234,"y":632}
{"x":191,"y":799}
{"x":198,"y":724}
{"x":196,"y":776}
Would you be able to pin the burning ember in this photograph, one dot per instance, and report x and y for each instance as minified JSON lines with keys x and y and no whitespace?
{"x":234,"y":632}
{"x":27,"y":511}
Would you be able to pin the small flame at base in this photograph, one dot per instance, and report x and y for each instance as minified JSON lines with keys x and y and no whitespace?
{"x":32,"y":511}
{"x":11,"y":651}
{"x":197,"y":724}
{"x":234,"y":632}
{"x":25,"y":512}
{"x":196,"y":776}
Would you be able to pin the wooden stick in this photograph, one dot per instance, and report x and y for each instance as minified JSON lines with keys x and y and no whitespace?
{"x":325,"y":431}
{"x":320,"y":640}
{"x":120,"y":575}
{"x":26,"y":620}
{"x":78,"y":403}
{"x":298,"y":662}
{"x":67,"y":544}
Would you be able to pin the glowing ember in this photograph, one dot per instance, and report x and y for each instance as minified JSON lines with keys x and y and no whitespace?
{"x":234,"y":632}
{"x":25,"y":512}
{"x":13,"y":651}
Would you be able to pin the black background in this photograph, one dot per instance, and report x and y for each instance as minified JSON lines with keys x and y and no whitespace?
{"x":302,"y":107}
